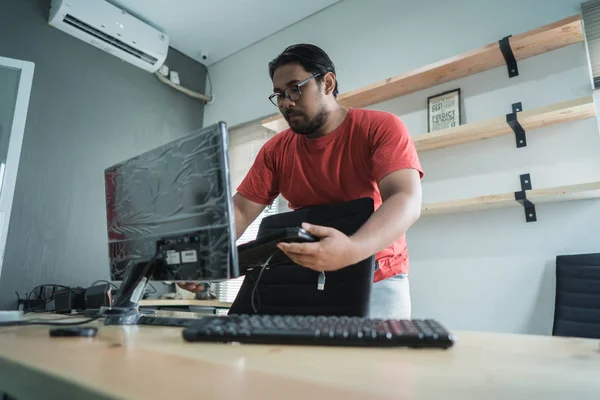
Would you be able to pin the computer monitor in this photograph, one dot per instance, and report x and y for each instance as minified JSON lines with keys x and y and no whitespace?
{"x":170,"y":213}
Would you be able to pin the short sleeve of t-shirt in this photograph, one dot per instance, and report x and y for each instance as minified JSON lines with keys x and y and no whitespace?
{"x":260,"y":184}
{"x":392,"y":148}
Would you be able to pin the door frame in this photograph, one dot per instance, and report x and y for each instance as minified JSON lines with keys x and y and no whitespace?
{"x":17,"y":131}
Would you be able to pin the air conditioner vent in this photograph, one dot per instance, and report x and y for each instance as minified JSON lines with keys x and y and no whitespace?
{"x":108,"y":39}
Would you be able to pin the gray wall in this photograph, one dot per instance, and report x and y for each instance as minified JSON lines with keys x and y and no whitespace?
{"x":88,"y":110}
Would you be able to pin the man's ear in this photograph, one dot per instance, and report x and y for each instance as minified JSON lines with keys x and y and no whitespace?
{"x":329,"y":82}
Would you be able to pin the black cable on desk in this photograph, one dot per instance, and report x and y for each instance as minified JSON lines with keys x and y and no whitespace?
{"x":104,"y":281}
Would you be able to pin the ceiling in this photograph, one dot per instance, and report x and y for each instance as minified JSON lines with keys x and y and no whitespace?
{"x":220,"y":27}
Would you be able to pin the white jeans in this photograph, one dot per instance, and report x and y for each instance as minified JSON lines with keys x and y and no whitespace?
{"x":390,"y":298}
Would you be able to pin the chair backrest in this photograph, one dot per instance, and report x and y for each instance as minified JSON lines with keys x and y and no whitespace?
{"x":289,"y":289}
{"x":577,"y":304}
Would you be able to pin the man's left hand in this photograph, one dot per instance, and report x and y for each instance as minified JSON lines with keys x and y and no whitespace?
{"x":334,"y":251}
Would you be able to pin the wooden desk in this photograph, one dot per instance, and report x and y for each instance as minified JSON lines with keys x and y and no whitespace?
{"x":144,"y":362}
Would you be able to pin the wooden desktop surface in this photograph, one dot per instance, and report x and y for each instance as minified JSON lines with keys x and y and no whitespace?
{"x":146,"y":362}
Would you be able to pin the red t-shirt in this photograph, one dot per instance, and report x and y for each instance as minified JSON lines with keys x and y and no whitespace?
{"x":344,"y":165}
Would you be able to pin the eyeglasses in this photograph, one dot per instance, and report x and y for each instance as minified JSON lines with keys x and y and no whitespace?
{"x":293,"y":93}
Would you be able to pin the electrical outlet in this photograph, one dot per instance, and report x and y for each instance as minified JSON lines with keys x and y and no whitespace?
{"x":174,"y":76}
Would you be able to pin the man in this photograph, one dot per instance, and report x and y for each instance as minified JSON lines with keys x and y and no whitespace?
{"x":333,"y":154}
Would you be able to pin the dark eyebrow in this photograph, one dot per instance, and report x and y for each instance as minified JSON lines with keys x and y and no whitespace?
{"x":292,"y":82}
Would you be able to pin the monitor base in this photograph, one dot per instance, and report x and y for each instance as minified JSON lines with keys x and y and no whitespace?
{"x":120,"y":316}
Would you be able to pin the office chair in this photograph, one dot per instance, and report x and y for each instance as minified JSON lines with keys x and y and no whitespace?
{"x":286,"y":288}
{"x":577,"y":303}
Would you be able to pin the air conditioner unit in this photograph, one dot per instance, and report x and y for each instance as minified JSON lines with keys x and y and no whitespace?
{"x":111,"y":29}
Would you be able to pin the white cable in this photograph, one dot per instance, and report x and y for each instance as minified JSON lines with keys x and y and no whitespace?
{"x":189,"y":92}
{"x":210,"y":92}
{"x":254,"y":292}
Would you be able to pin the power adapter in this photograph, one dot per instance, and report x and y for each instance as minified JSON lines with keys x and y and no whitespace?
{"x":98,"y":296}
{"x":68,"y":300}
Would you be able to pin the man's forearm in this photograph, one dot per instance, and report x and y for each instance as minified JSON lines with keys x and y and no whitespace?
{"x":245,"y":212}
{"x":391,"y":220}
{"x":241,"y":223}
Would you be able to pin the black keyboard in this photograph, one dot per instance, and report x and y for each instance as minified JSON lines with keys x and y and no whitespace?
{"x":330,"y":331}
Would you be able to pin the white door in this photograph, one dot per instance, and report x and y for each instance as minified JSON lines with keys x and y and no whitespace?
{"x":16,"y":78}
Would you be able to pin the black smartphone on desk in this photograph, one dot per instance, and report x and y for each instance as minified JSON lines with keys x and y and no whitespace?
{"x":76,"y":331}
{"x":255,"y":253}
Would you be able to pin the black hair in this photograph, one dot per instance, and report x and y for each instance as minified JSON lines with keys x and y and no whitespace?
{"x":312,"y":58}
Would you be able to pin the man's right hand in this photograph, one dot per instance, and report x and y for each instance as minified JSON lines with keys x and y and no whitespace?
{"x":191,"y":286}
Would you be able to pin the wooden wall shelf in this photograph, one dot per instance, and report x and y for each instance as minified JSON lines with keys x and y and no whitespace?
{"x":582,"y":191}
{"x":531,"y":119}
{"x":546,"y":38}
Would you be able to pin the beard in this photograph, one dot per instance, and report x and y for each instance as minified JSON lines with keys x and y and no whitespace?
{"x":303,"y":125}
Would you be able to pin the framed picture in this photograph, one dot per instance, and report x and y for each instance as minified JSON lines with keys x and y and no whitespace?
{"x":444,"y":111}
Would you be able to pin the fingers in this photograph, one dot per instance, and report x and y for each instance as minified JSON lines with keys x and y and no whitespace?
{"x":299,"y":248}
{"x":191,"y":286}
{"x":301,"y":259}
{"x":305,"y":260}
{"x":318,"y":230}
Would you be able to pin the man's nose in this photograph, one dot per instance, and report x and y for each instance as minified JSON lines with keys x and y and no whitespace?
{"x":286,"y":103}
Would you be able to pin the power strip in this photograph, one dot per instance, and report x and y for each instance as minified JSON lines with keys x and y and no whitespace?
{"x":10,"y":316}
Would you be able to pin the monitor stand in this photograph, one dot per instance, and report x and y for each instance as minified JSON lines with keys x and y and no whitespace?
{"x":125,"y":307}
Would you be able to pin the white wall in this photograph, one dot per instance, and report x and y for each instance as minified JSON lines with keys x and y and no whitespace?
{"x":480,"y":271}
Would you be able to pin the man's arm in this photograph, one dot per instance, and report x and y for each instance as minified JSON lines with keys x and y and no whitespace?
{"x":402,"y":198}
{"x":246,"y":212}
{"x":401,"y":194}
